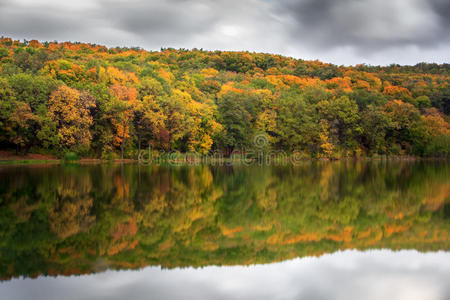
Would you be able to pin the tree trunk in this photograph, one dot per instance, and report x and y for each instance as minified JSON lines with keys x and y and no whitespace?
{"x":122,"y":144}
{"x":139,"y":147}
{"x":121,"y":148}
{"x":170,"y":142}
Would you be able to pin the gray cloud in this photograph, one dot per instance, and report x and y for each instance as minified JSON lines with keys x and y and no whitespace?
{"x":370,"y":25}
{"x":172,"y":21}
{"x":442,"y":9}
{"x":338,"y":31}
{"x":45,"y":21}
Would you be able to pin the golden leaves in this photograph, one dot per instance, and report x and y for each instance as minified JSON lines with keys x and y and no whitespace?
{"x":70,"y":110}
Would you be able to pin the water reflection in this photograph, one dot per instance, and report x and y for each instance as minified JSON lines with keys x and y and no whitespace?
{"x":380,"y":274}
{"x":63,"y":220}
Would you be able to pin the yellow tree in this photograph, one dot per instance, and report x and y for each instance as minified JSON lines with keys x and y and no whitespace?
{"x":148,"y":120}
{"x":267,"y":122}
{"x":435,"y":124}
{"x":70,"y":110}
{"x":326,"y":145}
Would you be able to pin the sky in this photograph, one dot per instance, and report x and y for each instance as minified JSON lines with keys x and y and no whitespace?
{"x":347,"y":275}
{"x":343,"y":32}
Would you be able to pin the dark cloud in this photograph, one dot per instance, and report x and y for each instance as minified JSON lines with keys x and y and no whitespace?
{"x":368,"y":25}
{"x":442,"y":9}
{"x":339,"y":31}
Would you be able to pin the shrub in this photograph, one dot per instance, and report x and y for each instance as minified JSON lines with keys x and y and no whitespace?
{"x":71,"y":157}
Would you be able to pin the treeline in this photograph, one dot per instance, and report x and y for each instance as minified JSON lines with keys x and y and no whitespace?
{"x":103,"y":102}
{"x":66,"y":219}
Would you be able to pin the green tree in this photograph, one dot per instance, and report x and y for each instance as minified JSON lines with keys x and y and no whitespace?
{"x":236,"y":118}
{"x":342,"y":115}
{"x":297,"y":123}
{"x":22,"y":125}
{"x":375,"y":124}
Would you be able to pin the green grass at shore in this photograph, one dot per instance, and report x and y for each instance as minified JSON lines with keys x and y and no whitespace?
{"x":27,"y":161}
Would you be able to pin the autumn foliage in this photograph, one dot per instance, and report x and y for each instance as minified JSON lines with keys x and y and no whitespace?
{"x":98,"y":101}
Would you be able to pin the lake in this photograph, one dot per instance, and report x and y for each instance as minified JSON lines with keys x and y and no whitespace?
{"x":316,"y":230}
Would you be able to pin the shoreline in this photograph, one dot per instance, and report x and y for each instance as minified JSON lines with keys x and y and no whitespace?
{"x":29,"y":160}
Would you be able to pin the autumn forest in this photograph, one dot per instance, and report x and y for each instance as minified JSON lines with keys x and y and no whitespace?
{"x":110,"y":102}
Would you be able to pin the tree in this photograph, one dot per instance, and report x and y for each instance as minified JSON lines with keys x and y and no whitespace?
{"x":21,"y":125}
{"x":437,"y":134}
{"x":326,"y":145}
{"x":178,"y":122}
{"x":71,"y":113}
{"x":148,"y":121}
{"x":407,"y":126}
{"x":3,"y":52}
{"x":375,"y":124}
{"x":365,"y":98}
{"x":236,"y":120}
{"x":7,"y":98}
{"x":30,"y":59}
{"x":423,"y":102}
{"x":120,"y":112}
{"x":297,"y":123}
{"x":34,"y":90}
{"x":342,"y":115}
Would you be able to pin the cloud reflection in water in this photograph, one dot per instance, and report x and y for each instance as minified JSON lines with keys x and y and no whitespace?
{"x":378,"y":274}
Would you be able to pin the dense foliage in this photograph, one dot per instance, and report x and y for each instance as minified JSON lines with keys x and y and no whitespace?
{"x":81,"y":219}
{"x":98,"y":102}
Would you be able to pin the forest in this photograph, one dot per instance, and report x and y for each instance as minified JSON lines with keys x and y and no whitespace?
{"x":104,"y":102}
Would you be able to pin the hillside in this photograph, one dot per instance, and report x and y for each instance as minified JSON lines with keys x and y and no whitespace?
{"x":101,"y":102}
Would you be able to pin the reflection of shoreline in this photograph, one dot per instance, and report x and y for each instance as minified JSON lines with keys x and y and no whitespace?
{"x":257,"y":156}
{"x":62,"y":220}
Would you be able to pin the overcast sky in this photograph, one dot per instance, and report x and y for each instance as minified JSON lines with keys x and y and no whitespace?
{"x":337,"y":31}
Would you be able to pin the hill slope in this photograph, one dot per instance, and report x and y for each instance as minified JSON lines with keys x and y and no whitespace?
{"x":59,"y":97}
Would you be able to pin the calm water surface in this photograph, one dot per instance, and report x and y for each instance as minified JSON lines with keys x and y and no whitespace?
{"x":341,"y":230}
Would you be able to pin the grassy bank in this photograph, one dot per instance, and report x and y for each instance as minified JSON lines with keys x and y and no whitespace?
{"x":7,"y":158}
